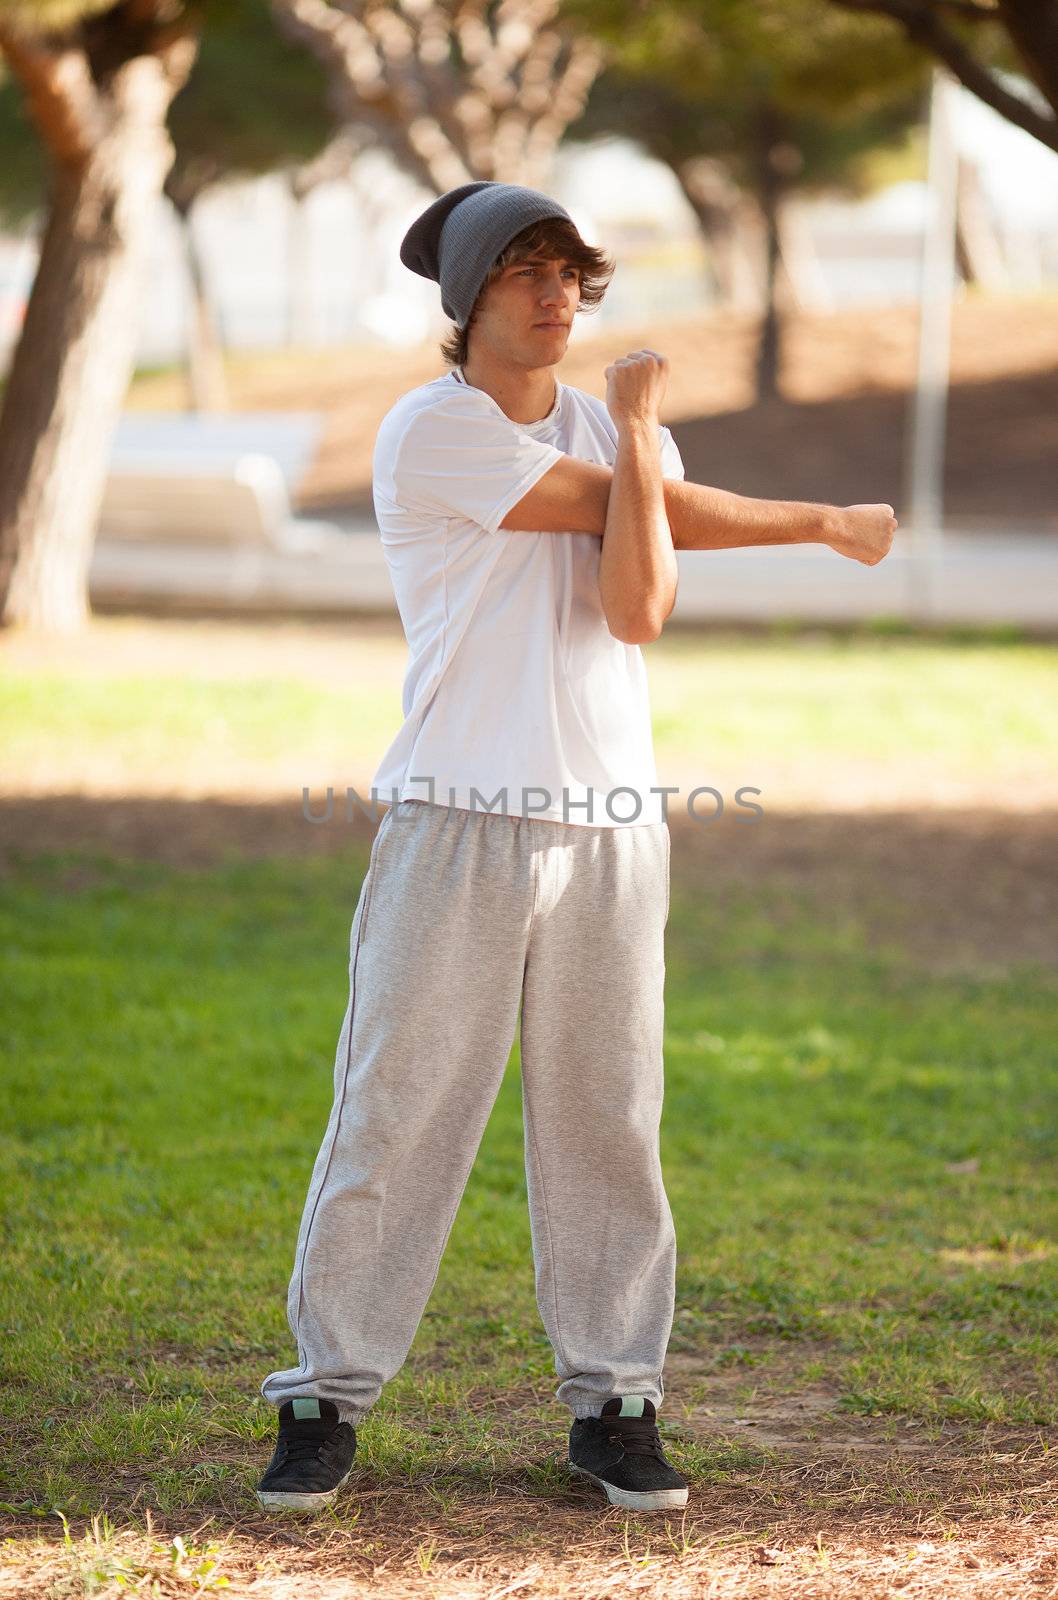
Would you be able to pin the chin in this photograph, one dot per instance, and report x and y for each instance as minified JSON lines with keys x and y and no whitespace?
{"x":554,"y":339}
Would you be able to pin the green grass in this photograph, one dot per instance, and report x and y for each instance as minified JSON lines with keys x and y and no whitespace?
{"x":170,"y":1038}
{"x":866,"y":694}
{"x":867,"y":699}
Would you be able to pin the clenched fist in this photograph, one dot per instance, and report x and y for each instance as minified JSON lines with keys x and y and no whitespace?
{"x":865,"y":533}
{"x":635,"y":386}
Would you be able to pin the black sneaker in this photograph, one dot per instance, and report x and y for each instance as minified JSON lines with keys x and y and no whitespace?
{"x":313,"y":1456}
{"x":621,"y":1452}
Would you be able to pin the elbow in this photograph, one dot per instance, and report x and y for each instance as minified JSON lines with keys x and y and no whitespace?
{"x":643,"y":628}
{"x":642,"y":622}
{"x":633,"y":635}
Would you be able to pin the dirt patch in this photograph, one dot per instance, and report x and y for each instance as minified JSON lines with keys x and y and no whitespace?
{"x":788,"y":1496}
{"x":779,"y":1410}
{"x":757,"y":1524}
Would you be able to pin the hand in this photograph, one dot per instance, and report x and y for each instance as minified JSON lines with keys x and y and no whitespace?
{"x":865,"y":533}
{"x":635,"y":387}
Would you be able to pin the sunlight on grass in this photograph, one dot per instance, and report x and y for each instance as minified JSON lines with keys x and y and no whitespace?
{"x":791,"y":716}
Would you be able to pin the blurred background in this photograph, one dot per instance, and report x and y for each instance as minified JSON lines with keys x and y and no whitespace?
{"x":844,"y":232}
{"x":840,"y":222}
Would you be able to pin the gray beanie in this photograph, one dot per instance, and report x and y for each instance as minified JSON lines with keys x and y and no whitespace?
{"x":457,"y":239}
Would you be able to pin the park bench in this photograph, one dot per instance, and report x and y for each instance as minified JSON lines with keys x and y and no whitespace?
{"x":224,"y":480}
{"x":244,"y":503}
{"x":197,"y":510}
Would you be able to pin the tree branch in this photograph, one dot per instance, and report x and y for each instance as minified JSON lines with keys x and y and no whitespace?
{"x":924,"y":27}
{"x":62,"y":98}
{"x":334,"y":161}
{"x":567,"y":98}
{"x":969,"y":10}
{"x":359,"y":92}
{"x":415,"y":44}
{"x":497,"y":111}
{"x":1032,"y":26}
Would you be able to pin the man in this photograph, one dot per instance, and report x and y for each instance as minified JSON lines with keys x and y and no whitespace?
{"x":523,"y":861}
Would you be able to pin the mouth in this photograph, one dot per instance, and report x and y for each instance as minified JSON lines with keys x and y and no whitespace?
{"x":550,"y":324}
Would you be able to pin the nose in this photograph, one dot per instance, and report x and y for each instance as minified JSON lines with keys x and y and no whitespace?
{"x":553,"y":289}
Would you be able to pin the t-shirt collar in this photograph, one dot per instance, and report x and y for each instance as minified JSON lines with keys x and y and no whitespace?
{"x":542,"y":424}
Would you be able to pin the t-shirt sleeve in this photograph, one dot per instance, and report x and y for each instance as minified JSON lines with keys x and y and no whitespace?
{"x":671,"y":460}
{"x":465,"y":461}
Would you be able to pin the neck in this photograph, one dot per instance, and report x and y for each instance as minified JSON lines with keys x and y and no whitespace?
{"x":525,"y":394}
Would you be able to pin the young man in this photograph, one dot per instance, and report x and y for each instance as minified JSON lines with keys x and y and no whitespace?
{"x":522,"y":865}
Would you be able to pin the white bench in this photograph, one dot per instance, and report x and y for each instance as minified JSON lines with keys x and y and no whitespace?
{"x":224,"y":480}
{"x":245,"y":503}
{"x":198,"y":509}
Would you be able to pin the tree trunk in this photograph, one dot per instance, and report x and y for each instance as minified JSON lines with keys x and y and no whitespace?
{"x":731,"y":227}
{"x":979,"y":253}
{"x":207,"y":382}
{"x":768,"y":353}
{"x":299,"y":286}
{"x":776,"y":163}
{"x":74,"y":359}
{"x":714,"y":200}
{"x":801,"y":270}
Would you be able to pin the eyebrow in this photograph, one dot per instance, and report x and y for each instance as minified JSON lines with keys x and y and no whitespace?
{"x":541,"y":261}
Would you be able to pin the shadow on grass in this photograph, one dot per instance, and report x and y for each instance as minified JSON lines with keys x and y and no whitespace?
{"x":946,"y":887}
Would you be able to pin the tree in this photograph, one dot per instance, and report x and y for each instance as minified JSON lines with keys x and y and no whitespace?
{"x":456,"y":90}
{"x":252,"y":105}
{"x":975,"y":39}
{"x":98,"y":82}
{"x":750,"y":100}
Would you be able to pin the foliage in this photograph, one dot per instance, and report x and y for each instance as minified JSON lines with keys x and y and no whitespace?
{"x":983,"y":42}
{"x":24,"y":169}
{"x":690,"y":78}
{"x":253,"y":102}
{"x":49,"y":16}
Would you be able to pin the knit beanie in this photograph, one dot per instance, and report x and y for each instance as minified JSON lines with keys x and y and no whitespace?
{"x":456,"y":240}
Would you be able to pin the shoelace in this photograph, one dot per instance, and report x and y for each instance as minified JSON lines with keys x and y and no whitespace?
{"x":303,"y":1446}
{"x":637,"y":1436}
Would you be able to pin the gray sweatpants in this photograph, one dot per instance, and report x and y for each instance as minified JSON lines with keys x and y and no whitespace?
{"x":462,"y":915}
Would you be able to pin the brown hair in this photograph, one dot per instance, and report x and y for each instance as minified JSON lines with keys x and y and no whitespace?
{"x":557,"y":240}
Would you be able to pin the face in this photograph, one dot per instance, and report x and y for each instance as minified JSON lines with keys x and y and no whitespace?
{"x":527,"y":313}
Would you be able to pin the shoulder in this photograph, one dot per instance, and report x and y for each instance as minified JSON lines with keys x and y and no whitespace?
{"x":441,"y":396}
{"x":432,"y":408}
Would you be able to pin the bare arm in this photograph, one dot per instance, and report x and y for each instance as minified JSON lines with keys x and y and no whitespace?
{"x":572,"y":497}
{"x":637,"y":565}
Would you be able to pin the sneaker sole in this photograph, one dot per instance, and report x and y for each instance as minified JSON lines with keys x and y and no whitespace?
{"x":292,"y":1500}
{"x":646,"y":1500}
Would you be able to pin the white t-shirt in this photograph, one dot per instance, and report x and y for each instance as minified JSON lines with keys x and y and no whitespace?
{"x":517,"y":697}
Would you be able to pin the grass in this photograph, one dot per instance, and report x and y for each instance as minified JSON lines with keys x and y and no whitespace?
{"x":765,"y":711}
{"x":170,"y":1039}
{"x":868,"y":693}
{"x":859,"y":1151}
